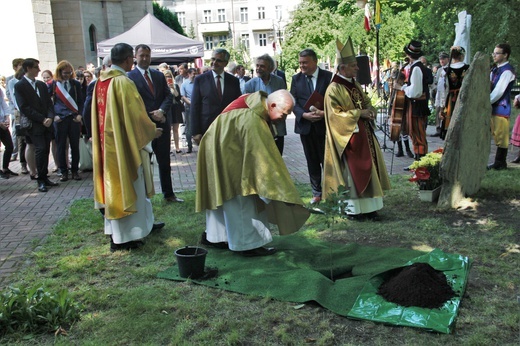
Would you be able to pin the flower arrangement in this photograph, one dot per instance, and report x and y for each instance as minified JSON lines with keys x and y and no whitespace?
{"x":426,"y":171}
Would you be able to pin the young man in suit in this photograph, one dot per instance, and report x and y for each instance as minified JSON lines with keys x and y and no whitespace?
{"x":212,"y":92}
{"x":310,"y":124}
{"x":157,"y":99}
{"x":35,"y":103}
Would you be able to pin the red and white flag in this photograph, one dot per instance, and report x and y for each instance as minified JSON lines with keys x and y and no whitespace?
{"x":368,"y":17}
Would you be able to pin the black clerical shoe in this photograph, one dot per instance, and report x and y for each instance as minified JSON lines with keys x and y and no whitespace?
{"x":260,"y":251}
{"x":205,"y":241}
{"x":374,"y":216}
{"x":135,"y":244}
{"x":157,"y":226}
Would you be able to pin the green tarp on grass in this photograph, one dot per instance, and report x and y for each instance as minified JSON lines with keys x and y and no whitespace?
{"x":302,"y":268}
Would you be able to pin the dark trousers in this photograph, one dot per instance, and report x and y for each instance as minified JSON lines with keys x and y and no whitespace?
{"x":161,"y":148}
{"x":279,"y":140}
{"x":7,"y":141}
{"x":67,"y":128}
{"x":42,"y":147}
{"x":187,"y":126}
{"x":22,"y":145}
{"x":314,"y":149}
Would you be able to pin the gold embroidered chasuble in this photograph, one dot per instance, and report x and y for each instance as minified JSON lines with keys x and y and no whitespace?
{"x":238,"y":157}
{"x":342,"y":118}
{"x":121,"y":129}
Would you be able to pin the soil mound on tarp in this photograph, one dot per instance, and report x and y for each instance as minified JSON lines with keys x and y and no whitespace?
{"x":417,"y":285}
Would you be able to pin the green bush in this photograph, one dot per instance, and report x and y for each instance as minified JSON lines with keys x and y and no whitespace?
{"x":36,"y":310}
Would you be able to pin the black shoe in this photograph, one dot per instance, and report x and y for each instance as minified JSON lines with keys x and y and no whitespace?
{"x":174,"y":199}
{"x":42,"y":187}
{"x":33,"y":177}
{"x":135,"y":244}
{"x":205,"y":241}
{"x":260,"y":251}
{"x":410,"y":154}
{"x":49,"y":183}
{"x":406,"y":169}
{"x":8,"y":171}
{"x":76,"y":176}
{"x":64,"y":177}
{"x":374,"y":216}
{"x":517,"y":160}
{"x":399,"y":154}
{"x":4,"y":175}
{"x":157,"y":226}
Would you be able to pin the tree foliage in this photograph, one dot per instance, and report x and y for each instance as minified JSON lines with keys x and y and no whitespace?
{"x":317,"y":23}
{"x":167,"y":17}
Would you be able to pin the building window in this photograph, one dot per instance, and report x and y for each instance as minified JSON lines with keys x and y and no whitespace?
{"x":222,"y":39}
{"x":245,"y":40}
{"x":278,"y":12}
{"x":243,"y":15}
{"x":261,"y":12}
{"x":181,"y":16}
{"x":208,"y":43}
{"x":207,"y":16}
{"x":262,"y":40}
{"x":92,"y":38}
{"x":221,"y":15}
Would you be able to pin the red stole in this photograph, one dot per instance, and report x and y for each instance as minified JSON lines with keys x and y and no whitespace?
{"x":101,"y":106}
{"x":239,"y":103}
{"x":357,"y":152}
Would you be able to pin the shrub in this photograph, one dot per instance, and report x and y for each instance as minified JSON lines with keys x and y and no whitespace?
{"x":36,"y":310}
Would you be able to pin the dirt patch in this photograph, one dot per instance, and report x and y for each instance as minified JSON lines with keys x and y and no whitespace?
{"x":417,"y":285}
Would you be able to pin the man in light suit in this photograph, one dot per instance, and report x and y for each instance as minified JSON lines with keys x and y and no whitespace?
{"x":34,"y":101}
{"x":310,"y":124}
{"x":212,"y":92}
{"x":157,"y":99}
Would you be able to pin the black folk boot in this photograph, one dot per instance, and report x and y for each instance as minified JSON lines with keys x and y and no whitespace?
{"x":400,"y":152}
{"x":500,"y":159}
{"x":407,"y":147}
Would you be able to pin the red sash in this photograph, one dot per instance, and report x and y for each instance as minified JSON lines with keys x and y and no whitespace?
{"x":101,"y":90}
{"x":66,"y":99}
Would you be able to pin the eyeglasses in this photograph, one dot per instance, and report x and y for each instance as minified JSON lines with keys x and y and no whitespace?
{"x":497,"y":53}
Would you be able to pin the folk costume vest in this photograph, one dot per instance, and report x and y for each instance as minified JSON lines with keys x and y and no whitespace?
{"x":503,"y":106}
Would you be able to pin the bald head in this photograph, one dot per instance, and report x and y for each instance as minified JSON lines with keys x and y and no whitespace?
{"x":280,"y":104}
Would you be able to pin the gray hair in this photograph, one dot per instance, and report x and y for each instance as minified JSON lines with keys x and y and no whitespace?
{"x":268,"y":59}
{"x":222,"y":51}
{"x":107,"y":61}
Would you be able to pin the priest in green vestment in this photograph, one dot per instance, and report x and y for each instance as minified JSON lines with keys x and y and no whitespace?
{"x":242,"y":181}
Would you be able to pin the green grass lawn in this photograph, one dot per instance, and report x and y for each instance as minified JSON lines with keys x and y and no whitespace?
{"x":125,"y":304}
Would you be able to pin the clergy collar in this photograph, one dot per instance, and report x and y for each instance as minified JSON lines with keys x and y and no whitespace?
{"x":351,"y":80}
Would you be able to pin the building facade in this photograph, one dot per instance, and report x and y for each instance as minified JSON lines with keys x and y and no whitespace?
{"x":255,"y":26}
{"x":55,"y":30}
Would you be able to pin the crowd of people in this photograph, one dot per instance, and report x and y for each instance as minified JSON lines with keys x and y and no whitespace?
{"x":125,"y":111}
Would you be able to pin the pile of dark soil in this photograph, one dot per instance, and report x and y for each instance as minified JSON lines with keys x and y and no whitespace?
{"x":417,"y":285}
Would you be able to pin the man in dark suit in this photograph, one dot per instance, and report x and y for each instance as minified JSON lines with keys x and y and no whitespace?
{"x":35,"y":103}
{"x":212,"y":92}
{"x":310,"y":124}
{"x":157,"y":99}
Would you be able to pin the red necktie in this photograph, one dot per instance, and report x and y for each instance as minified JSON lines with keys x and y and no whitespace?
{"x":149,"y":81}
{"x":219,"y":87}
